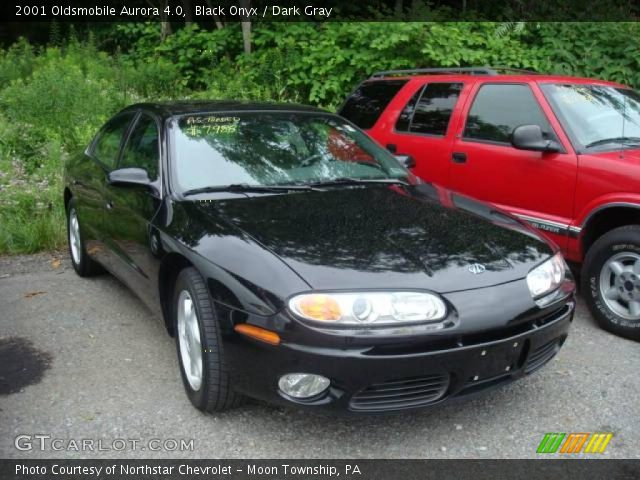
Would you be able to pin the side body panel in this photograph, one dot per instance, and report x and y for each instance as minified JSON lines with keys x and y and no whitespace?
{"x":538,"y":187}
{"x":605,"y":180}
{"x":85,"y":178}
{"x":431,"y":152}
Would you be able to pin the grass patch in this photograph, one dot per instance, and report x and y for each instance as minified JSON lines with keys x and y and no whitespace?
{"x":25,"y":232}
{"x":32,"y":216}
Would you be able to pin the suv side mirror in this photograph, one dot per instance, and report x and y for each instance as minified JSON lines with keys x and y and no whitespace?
{"x":407,"y":161}
{"x":530,"y":137}
{"x":131,"y":177}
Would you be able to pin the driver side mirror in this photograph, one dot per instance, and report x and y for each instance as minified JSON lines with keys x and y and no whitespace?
{"x":131,"y":177}
{"x":530,"y":137}
{"x":407,"y":161}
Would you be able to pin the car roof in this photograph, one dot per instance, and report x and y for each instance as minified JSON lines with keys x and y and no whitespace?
{"x":506,"y":78}
{"x":182,"y":107}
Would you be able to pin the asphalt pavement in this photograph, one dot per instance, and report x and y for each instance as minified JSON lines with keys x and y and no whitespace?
{"x":108,"y":376}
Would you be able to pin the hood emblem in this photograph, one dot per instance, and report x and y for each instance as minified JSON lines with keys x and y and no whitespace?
{"x":477,"y":268}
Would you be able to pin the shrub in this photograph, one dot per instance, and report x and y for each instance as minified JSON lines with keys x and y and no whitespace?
{"x":16,"y":62}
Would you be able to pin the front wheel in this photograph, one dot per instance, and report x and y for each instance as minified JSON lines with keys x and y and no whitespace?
{"x":611,"y":281}
{"x":203,"y":368}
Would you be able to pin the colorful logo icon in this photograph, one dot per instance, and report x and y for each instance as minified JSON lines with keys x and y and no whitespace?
{"x":574,"y":442}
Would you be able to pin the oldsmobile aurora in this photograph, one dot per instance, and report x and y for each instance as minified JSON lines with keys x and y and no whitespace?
{"x":296,"y":261}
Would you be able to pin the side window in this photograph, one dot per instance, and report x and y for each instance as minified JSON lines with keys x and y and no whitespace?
{"x":367,"y":103}
{"x":499,"y":108}
{"x":433,"y":111}
{"x":404,"y":120}
{"x":107,"y":146}
{"x":142,"y":148}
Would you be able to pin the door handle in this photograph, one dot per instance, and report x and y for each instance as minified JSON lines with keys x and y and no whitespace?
{"x":459,"y":157}
{"x":392,"y":148}
{"x":109,"y":205}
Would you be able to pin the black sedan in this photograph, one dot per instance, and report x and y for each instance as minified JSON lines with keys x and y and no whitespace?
{"x":297,"y":261}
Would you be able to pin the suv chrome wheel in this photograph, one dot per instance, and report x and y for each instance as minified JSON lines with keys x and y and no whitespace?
{"x":611,"y":281}
{"x":189,"y":340}
{"x":620,"y":284}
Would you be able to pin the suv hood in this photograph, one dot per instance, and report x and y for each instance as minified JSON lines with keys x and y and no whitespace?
{"x":380,"y":237}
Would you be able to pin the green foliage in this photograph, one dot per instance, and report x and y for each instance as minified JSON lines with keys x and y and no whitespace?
{"x":31,"y":214}
{"x":32,"y":220}
{"x":52,"y":102}
{"x":194,"y":52}
{"x":54,"y":98}
{"x":601,"y":50}
{"x":16,"y":62}
{"x":321,"y":63}
{"x":197,"y":52}
{"x":64,"y":98}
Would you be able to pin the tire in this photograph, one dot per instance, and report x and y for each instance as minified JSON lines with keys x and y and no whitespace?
{"x":211,"y":391}
{"x":611,"y":283}
{"x":82,"y":263}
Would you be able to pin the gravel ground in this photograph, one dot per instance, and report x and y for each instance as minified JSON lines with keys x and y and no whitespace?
{"x":113,"y":374}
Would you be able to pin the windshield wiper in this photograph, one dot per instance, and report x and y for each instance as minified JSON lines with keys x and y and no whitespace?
{"x":359,"y":181}
{"x":245,"y":187}
{"x":623,"y":140}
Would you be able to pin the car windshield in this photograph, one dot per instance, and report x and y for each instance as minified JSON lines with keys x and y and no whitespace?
{"x":597,"y":116}
{"x":274,"y":148}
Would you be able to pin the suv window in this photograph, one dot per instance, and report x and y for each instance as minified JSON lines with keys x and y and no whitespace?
{"x":142,"y":148}
{"x":499,"y":108}
{"x":366,"y":104}
{"x":431,"y":114}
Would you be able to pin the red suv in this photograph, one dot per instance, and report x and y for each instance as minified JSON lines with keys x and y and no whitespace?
{"x":561,"y":153}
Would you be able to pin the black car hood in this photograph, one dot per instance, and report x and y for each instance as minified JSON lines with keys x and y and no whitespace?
{"x":385,"y":237}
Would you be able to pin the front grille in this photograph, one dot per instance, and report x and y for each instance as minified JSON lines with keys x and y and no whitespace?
{"x":400,"y":394}
{"x":542,"y":355}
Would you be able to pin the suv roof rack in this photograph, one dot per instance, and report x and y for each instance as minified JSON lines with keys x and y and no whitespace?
{"x":453,"y":70}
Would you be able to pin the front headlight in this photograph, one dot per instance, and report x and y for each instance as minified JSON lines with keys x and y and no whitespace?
{"x":547,"y":277}
{"x":369,"y":308}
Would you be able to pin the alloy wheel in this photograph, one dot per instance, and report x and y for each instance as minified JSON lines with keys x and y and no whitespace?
{"x":74,"y":236}
{"x":189,"y":340}
{"x":620,"y":284}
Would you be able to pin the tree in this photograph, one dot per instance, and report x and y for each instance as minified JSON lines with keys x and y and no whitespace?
{"x":165,"y":26}
{"x":246,"y":27}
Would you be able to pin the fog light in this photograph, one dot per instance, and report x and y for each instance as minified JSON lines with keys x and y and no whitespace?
{"x":303,"y":385}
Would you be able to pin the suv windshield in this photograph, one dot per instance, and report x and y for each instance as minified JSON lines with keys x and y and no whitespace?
{"x":596,"y":116}
{"x":274,"y":148}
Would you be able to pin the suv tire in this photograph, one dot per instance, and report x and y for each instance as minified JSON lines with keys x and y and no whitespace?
{"x":611,"y":281}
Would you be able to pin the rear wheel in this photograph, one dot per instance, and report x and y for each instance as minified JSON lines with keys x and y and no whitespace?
{"x":82,"y":263}
{"x":203,"y":368}
{"x":611,"y":281}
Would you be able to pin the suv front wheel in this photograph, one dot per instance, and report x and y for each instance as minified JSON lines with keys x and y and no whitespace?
{"x":611,"y":281}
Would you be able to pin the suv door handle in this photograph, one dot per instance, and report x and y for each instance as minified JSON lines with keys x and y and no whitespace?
{"x":459,"y":157}
{"x":392,"y":148}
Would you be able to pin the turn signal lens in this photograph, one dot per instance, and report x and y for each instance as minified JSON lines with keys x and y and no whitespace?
{"x":319,"y":307}
{"x":258,"y":333}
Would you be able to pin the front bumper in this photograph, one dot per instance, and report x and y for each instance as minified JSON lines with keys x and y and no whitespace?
{"x":379,"y":379}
